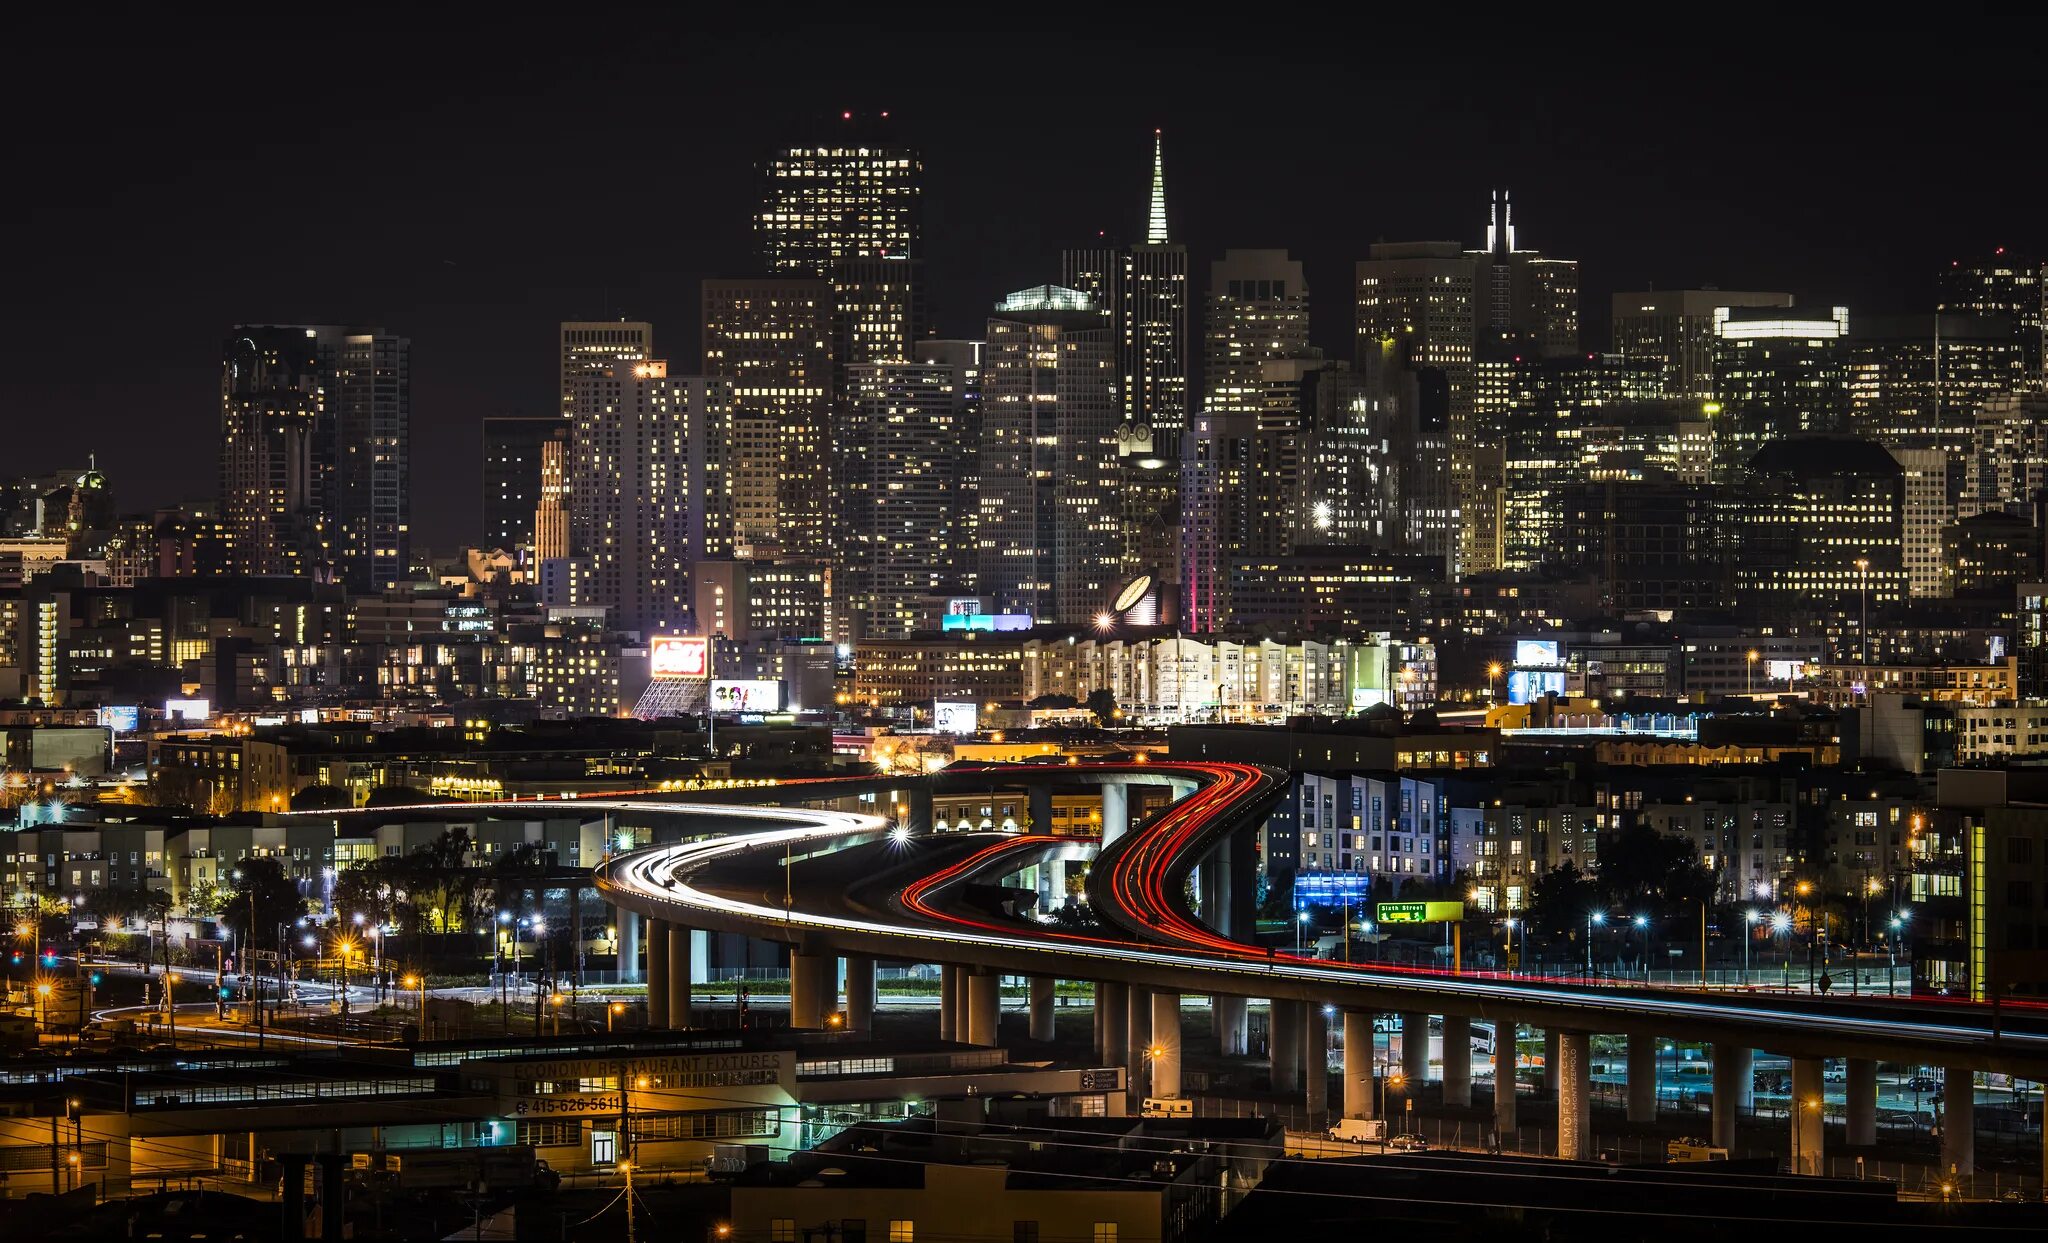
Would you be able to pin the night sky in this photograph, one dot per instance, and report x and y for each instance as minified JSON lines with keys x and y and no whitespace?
{"x":472,"y":184}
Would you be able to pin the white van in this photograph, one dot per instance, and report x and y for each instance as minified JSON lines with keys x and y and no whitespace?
{"x":1167,"y":1107}
{"x":1359,"y":1130}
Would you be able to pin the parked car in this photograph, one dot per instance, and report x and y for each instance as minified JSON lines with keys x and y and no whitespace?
{"x":1408,"y":1143}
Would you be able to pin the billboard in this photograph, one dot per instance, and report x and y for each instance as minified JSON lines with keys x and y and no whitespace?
{"x":125,"y":719}
{"x":187,"y":709}
{"x":951,"y":717}
{"x":746,"y":696}
{"x":671,"y":657}
{"x":1420,"y":912}
{"x":994,"y":622}
{"x":1540,"y":652}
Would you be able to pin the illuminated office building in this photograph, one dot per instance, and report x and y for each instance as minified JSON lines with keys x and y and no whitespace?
{"x":1677,"y":325}
{"x":593,"y":345}
{"x":1554,"y":403}
{"x":1776,"y":374}
{"x":1050,"y":522}
{"x":273,"y":394}
{"x":2012,"y":288}
{"x":1353,"y":457}
{"x":1927,"y":482}
{"x":369,"y":494}
{"x":647,"y":489}
{"x":514,"y":449}
{"x":901,"y":454}
{"x":1646,"y":540}
{"x":1144,"y":289}
{"x":854,"y":197}
{"x":1915,"y":381}
{"x":771,"y":338}
{"x":551,"y":509}
{"x":1817,"y":530}
{"x":2007,"y":468}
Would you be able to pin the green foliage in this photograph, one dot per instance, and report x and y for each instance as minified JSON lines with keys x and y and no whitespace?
{"x":260,"y":889}
{"x":320,"y":798}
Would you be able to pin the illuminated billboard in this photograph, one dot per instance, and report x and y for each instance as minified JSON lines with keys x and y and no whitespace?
{"x":1536,"y":652}
{"x":679,"y":656}
{"x":746,"y":696}
{"x":994,"y":622}
{"x":122,"y":720}
{"x":187,"y":709}
{"x":950,"y":717}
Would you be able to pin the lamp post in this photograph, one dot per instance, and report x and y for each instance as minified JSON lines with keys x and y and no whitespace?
{"x":1781,"y":923}
{"x":1891,"y":944}
{"x":1300,"y":926}
{"x":1513,"y":960}
{"x":1592,"y":918}
{"x":1642,"y":923}
{"x":1749,"y":674}
{"x":1492,"y":675}
{"x":1749,"y":918}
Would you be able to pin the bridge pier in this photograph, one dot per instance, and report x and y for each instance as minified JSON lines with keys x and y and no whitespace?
{"x":1044,"y":993}
{"x":628,"y":942}
{"x":984,"y":1007}
{"x":1550,"y":1057}
{"x":1357,"y":1102}
{"x":1860,"y":1096}
{"x":1230,"y":1017}
{"x":919,"y":799}
{"x":680,"y":973}
{"x":1415,"y":1049}
{"x":1284,"y":1040}
{"x":1642,"y":1077}
{"x":949,"y":1001}
{"x":1734,"y":1090}
{"x":1809,"y":1132}
{"x":1038,"y":808}
{"x":1505,"y":1119}
{"x":811,"y":980}
{"x":1112,"y":1005}
{"x":1116,"y":811}
{"x":1315,"y":1066}
{"x":1959,"y":1121}
{"x":1457,"y":1061}
{"x":1138,"y":1042}
{"x":1575,"y":1096}
{"x":1165,"y":1044}
{"x":657,"y":975}
{"x":860,"y":994}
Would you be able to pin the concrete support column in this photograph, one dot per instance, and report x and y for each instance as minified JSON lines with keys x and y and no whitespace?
{"x":1457,"y":1062}
{"x":1358,"y":1099}
{"x":1809,"y":1085}
{"x":1044,"y":992}
{"x":1315,"y":1065}
{"x":1505,"y":1117}
{"x":984,"y":1007}
{"x":1575,"y":1096}
{"x":1165,"y":1044}
{"x":1284,"y":1041}
{"x":657,"y":975}
{"x":1415,"y":1049}
{"x":1112,"y":1002}
{"x":700,"y":956}
{"x":949,"y":1002}
{"x":679,"y":976}
{"x":919,"y":799}
{"x":1230,"y":1016}
{"x":1116,"y":811}
{"x":1038,"y":805}
{"x":1959,"y":1121}
{"x":1138,"y":1042}
{"x":860,"y":995}
{"x":811,"y":983}
{"x":1860,"y":1095}
{"x":1550,"y":1056}
{"x":628,"y":924}
{"x":1734,"y":1084}
{"x":1642,"y":1078}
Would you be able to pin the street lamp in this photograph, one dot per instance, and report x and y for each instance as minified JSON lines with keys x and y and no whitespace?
{"x":1749,"y":918}
{"x":1592,"y":918}
{"x":1492,"y":673}
{"x":1514,"y":961}
{"x":1781,"y":924}
{"x":1300,"y":926}
{"x":1642,"y":923}
{"x":1749,"y":675}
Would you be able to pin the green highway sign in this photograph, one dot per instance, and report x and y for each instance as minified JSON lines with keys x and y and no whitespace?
{"x":1421,"y":912}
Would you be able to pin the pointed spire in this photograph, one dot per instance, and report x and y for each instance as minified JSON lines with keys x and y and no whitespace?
{"x":1155,"y":225}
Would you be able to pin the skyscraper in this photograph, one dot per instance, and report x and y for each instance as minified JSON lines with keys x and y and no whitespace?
{"x":1556,"y":402}
{"x":513,"y":451}
{"x":900,"y":468}
{"x":2015,"y":289}
{"x":647,"y":489}
{"x":1049,"y":526}
{"x":369,"y":496}
{"x":1777,"y":373}
{"x":772,"y":339}
{"x":1677,"y":325}
{"x":593,"y":345}
{"x":273,"y":394}
{"x":857,"y":196}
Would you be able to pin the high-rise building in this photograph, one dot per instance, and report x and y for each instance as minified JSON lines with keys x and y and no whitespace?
{"x":593,"y":345}
{"x":273,"y":472}
{"x":1927,"y":509}
{"x":2008,"y":465}
{"x":1450,"y":308}
{"x":1554,"y":402}
{"x":513,"y":451}
{"x":1352,"y":458}
{"x":1647,"y":541}
{"x":647,"y":489}
{"x":1915,"y":381}
{"x":966,"y":359}
{"x":1677,"y":325}
{"x":1049,"y":531}
{"x":1818,"y":532}
{"x":772,"y":339}
{"x":551,"y":513}
{"x":2012,"y":288}
{"x":899,"y":476}
{"x":1144,"y":289}
{"x":1777,"y":373}
{"x":856,"y":196}
{"x":369,"y":494}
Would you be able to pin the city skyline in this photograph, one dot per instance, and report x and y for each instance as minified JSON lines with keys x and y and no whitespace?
{"x":482,"y":274}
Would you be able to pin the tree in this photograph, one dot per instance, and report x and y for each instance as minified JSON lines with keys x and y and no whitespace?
{"x":1643,"y":868}
{"x":400,"y":796}
{"x":1054,"y":701}
{"x":1102,"y":702}
{"x":321,"y":798}
{"x":1561,"y":900}
{"x":262,"y":887}
{"x":204,"y":900}
{"x":128,"y":903}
